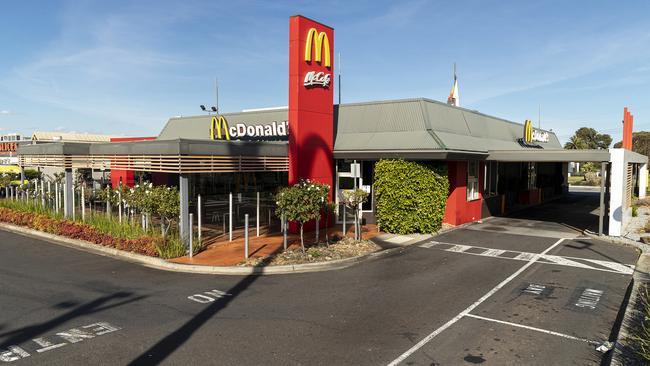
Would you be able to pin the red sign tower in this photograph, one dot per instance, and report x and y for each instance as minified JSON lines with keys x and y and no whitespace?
{"x":311,"y":101}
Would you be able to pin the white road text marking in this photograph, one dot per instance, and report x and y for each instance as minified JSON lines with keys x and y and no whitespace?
{"x":74,"y":335}
{"x":589,"y":298}
{"x":210,"y":296}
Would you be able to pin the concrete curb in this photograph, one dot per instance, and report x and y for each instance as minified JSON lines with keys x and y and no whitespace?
{"x":162,"y":264}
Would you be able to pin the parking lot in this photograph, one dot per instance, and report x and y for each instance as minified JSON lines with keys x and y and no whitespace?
{"x":508,"y":291}
{"x":562,"y":297}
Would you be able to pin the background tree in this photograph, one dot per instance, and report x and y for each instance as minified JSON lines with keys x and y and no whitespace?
{"x":588,"y":138}
{"x":640,"y":143}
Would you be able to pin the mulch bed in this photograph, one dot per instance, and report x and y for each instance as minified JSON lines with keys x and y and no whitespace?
{"x":344,"y":248}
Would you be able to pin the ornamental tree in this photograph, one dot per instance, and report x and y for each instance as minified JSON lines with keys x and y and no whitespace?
{"x":301,"y":203}
{"x":352,"y":199}
{"x":166,"y":205}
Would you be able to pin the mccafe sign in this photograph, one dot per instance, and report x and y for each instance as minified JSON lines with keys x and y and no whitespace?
{"x":318,"y":46}
{"x":220,"y":130}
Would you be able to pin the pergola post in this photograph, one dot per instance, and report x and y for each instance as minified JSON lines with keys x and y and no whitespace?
{"x":184,"y":227}
{"x":22,"y":176}
{"x":643,"y":180}
{"x":601,"y":211}
{"x":67,"y":194}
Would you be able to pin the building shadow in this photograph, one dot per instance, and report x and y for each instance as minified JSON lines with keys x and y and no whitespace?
{"x":19,"y":336}
{"x":576,"y":210}
{"x":169,"y":344}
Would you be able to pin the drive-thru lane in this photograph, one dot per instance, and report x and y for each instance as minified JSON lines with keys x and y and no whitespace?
{"x":555,"y":311}
{"x":99,"y":310}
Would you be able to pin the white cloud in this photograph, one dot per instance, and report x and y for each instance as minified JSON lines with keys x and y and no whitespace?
{"x":5,"y":112}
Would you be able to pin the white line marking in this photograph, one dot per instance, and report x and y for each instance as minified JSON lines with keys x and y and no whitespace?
{"x":565,"y":262}
{"x":458,"y":248}
{"x":493,"y":252}
{"x":623,"y":268}
{"x":428,"y":244}
{"x":533,"y":328}
{"x":448,"y":324}
{"x":525,"y":256}
{"x":612,"y":267}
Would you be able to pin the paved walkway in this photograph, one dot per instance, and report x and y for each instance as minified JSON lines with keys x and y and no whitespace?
{"x":225,"y":253}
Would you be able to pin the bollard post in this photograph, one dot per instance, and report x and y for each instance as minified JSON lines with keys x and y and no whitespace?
{"x":230,"y":217}
{"x":199,"y":218}
{"x":83,"y":203}
{"x":246,"y":236}
{"x":43,"y":193}
{"x":284,"y":230}
{"x":73,"y":203}
{"x":258,"y":213}
{"x":191,"y":235}
{"x":119,"y":204}
{"x":317,"y":229}
{"x":344,"y":214}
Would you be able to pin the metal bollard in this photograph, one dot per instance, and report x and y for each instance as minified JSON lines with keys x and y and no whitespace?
{"x":258,"y":213}
{"x":199,"y":218}
{"x":246,"y":236}
{"x":344,"y":232}
{"x":230,"y":217}
{"x":191,"y":235}
{"x":284,"y":229}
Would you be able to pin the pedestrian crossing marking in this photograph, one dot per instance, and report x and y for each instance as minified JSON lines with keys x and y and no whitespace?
{"x":592,"y":264}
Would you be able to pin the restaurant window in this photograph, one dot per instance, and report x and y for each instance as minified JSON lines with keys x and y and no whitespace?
{"x":472,"y":180}
{"x":532,"y":176}
{"x":491,"y":179}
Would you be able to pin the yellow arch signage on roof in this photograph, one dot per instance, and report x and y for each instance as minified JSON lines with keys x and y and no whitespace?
{"x":528,"y":131}
{"x":322,"y":45}
{"x":218,"y":128}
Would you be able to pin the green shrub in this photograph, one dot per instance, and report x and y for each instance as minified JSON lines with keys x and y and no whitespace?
{"x":635,"y":211}
{"x":171,"y":248}
{"x":411,"y":196}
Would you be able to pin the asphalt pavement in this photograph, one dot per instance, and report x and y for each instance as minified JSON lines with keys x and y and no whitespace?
{"x":529,"y":292}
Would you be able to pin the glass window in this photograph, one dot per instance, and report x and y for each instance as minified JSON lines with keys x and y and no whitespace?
{"x":472,"y":180}
{"x":532,"y":176}
{"x":491,"y":180}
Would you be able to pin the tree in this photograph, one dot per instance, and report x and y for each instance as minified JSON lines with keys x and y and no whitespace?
{"x":588,"y":138}
{"x":302,"y":202}
{"x":166,"y":204}
{"x":640,"y":143}
{"x":352,"y":199}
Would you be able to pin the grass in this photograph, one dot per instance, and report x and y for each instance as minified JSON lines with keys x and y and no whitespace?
{"x":573,"y":180}
{"x":641,"y":335}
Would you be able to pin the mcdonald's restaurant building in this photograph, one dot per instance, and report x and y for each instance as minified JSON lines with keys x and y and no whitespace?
{"x":494,"y":165}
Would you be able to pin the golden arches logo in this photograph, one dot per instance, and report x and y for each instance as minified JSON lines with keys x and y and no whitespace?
{"x":322,"y":45}
{"x":528,"y":131}
{"x":219,"y":128}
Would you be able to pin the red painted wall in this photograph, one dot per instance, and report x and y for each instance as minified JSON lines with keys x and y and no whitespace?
{"x":127,"y":177}
{"x":459,"y":210}
{"x":311,"y":108}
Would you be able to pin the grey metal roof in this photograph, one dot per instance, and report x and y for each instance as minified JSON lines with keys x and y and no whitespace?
{"x":198,"y":127}
{"x":160,"y":147}
{"x":426,"y":124}
{"x":388,"y":126}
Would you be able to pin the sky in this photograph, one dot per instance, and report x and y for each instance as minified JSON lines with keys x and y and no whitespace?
{"x":125,"y":67}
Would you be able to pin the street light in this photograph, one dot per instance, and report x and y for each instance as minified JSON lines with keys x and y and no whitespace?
{"x":211,"y":110}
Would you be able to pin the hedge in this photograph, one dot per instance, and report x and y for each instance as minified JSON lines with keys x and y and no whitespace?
{"x":410,"y":196}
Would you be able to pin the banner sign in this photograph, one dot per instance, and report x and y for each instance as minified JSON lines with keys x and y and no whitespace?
{"x":220,"y":130}
{"x":7,"y":146}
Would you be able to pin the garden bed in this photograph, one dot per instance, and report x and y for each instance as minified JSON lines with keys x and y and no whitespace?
{"x":342,"y":249}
